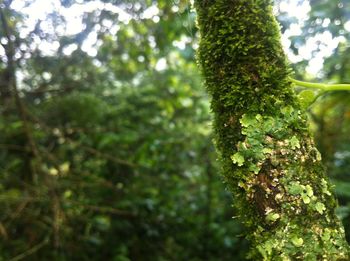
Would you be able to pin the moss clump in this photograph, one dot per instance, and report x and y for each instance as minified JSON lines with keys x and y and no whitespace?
{"x":269,"y":159}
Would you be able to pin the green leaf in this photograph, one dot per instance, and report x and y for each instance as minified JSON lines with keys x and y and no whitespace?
{"x":259,"y":117}
{"x":294,"y":143}
{"x":309,"y":191}
{"x":272,"y":217}
{"x":306,"y":98}
{"x":295,"y":188}
{"x":305,"y":198}
{"x":253,"y":167}
{"x":269,"y":124}
{"x":267,"y":151}
{"x":247,"y":120}
{"x":287,"y":111}
{"x":238,"y":159}
{"x":326,"y":235}
{"x":297,"y":241}
{"x":325,"y":187}
{"x":318,"y":155}
{"x":320,"y":207}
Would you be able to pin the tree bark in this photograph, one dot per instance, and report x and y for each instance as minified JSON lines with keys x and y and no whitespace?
{"x":7,"y":76}
{"x":269,"y":159}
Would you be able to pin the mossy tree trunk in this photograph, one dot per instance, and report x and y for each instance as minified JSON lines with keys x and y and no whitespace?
{"x":269,"y":160}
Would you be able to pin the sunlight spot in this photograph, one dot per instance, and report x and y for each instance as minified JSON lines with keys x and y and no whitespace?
{"x":326,"y":22}
{"x":2,"y":51}
{"x":150,"y":12}
{"x":156,"y":19}
{"x":347,"y":26}
{"x":89,"y":43}
{"x":69,"y":49}
{"x":292,"y":7}
{"x":161,"y":64}
{"x":48,"y":48}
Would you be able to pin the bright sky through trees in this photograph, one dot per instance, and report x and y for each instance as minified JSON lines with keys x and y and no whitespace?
{"x":74,"y":14}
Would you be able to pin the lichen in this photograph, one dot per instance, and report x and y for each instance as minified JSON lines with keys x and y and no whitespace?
{"x":269,"y":159}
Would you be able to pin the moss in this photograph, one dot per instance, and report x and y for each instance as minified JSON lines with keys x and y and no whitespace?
{"x":269,"y":159}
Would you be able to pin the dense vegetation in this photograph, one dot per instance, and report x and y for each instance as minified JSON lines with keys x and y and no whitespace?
{"x":109,"y":155}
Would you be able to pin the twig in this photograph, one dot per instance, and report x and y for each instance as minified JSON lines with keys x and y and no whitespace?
{"x":14,"y":147}
{"x":103,"y":209}
{"x":3,"y":231}
{"x":107,"y":156}
{"x":110,"y":210}
{"x":30,"y":251}
{"x":20,"y":208}
{"x":322,"y":86}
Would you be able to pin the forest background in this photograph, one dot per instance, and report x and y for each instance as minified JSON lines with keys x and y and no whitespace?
{"x":105,"y":131}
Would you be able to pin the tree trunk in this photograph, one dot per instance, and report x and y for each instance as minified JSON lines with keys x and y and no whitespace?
{"x":8,"y":74}
{"x":269,"y":159}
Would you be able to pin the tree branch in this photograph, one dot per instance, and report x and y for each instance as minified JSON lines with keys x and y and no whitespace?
{"x":322,"y":86}
{"x":30,"y":251}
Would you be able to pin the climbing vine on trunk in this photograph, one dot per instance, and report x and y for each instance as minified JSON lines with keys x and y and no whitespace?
{"x":269,"y":159}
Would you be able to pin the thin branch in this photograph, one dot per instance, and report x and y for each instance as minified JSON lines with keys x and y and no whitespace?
{"x":110,"y":210}
{"x":30,"y":251}
{"x":19,"y":209}
{"x":3,"y":231}
{"x":322,"y":86}
{"x":14,"y":147}
{"x":102,"y":209}
{"x":107,"y":156}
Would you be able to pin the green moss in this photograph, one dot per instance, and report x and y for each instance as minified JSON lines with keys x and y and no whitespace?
{"x":269,"y":160}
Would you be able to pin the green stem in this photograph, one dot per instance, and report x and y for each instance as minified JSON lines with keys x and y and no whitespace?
{"x":322,"y":86}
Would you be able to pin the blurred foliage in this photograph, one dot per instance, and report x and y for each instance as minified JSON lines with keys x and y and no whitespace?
{"x":109,"y":156}
{"x":331,"y":113}
{"x":112,"y":157}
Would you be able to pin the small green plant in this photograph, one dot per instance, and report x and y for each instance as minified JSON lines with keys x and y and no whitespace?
{"x":316,"y":90}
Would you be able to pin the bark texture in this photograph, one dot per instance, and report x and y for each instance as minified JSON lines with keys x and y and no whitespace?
{"x":269,"y":159}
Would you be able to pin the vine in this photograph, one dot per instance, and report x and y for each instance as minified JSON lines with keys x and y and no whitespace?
{"x":309,"y":96}
{"x":322,"y":86}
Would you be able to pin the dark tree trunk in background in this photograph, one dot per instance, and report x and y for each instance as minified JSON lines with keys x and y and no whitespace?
{"x":269,"y":159}
{"x":9,"y":89}
{"x":8,"y":75}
